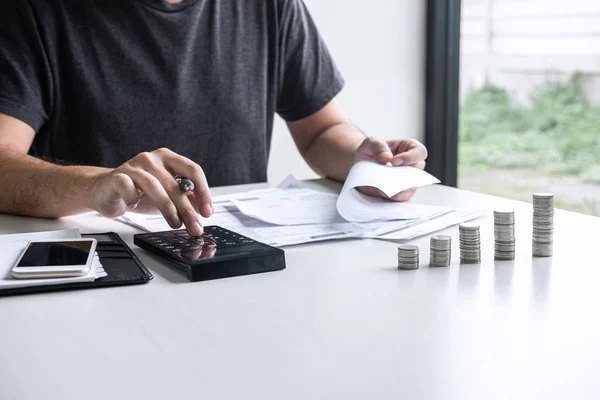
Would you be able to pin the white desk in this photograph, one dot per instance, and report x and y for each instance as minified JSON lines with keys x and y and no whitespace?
{"x":341,"y":322}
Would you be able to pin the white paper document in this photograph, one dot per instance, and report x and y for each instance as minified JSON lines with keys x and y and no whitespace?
{"x":357,"y":207}
{"x":291,"y":207}
{"x":410,"y":229}
{"x":228,"y":216}
{"x":289,"y":214}
{"x":303,"y":206}
{"x":286,"y":235}
{"x":12,"y":246}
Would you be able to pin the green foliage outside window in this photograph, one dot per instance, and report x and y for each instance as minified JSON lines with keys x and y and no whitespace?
{"x":557,"y":132}
{"x":506,"y":147}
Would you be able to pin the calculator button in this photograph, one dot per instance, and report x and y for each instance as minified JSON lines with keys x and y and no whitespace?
{"x":227,"y":244}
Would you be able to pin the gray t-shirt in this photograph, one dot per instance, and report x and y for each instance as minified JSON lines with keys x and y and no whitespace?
{"x":103,"y":80}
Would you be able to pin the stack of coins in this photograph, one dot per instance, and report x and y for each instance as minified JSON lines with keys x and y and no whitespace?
{"x":408,"y":256}
{"x":441,"y":251}
{"x":543,"y":224}
{"x":470,"y":243}
{"x":504,"y":235}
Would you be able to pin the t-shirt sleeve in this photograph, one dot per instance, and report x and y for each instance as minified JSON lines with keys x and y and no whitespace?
{"x":309,"y":78}
{"x":25,"y":79}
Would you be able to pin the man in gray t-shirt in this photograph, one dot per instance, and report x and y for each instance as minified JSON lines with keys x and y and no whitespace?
{"x":103,"y":102}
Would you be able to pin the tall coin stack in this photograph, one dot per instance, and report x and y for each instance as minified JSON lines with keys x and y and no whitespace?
{"x":470,"y":243}
{"x":440,"y":251}
{"x":408,"y":256}
{"x":543,"y":224}
{"x":504,"y":235}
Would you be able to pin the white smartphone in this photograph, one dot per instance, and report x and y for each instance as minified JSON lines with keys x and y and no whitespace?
{"x":55,"y":259}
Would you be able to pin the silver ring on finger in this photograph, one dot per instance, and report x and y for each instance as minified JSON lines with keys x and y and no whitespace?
{"x":185,"y":185}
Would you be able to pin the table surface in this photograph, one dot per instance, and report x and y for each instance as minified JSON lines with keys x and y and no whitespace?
{"x":341,"y":322}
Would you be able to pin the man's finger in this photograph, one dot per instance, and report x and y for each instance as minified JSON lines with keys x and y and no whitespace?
{"x":373,"y":149}
{"x":381,"y":151}
{"x":193,"y":201}
{"x":183,"y":166}
{"x":126,"y":189}
{"x":182,"y":201}
{"x":152,"y":188}
{"x":404,"y":196}
{"x":410,"y":157}
{"x":420,"y":165}
{"x":372,"y":191}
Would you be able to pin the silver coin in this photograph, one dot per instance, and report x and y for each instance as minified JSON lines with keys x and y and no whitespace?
{"x":408,"y":247}
{"x":468,"y":227}
{"x":408,"y":255}
{"x":408,"y":266}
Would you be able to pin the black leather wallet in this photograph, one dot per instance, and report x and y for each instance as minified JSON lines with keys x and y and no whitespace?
{"x":119,"y":261}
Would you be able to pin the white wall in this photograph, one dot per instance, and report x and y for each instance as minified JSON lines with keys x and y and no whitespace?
{"x":379,"y":47}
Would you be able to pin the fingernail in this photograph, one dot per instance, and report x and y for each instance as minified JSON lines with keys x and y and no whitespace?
{"x":207,"y":210}
{"x":196,"y":229}
{"x":398,"y":162}
{"x":176,"y":221}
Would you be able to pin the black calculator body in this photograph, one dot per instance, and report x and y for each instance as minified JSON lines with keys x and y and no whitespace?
{"x":218,"y":253}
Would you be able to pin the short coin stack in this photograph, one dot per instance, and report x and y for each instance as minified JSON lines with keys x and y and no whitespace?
{"x":543,"y":224}
{"x":470,"y":243}
{"x":408,"y":256}
{"x":440,"y":251}
{"x":504,"y":235}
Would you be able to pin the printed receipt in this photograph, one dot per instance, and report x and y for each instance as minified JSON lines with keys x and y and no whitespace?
{"x":356,"y":207}
{"x":303,"y":206}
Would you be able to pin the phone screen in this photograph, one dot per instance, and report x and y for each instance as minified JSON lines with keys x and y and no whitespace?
{"x":53,"y":254}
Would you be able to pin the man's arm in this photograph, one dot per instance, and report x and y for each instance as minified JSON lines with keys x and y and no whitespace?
{"x":36,"y":188}
{"x":330,"y":144}
{"x":32,"y":187}
{"x":327,"y":141}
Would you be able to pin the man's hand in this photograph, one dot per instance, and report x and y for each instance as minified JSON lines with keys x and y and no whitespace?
{"x":146,"y":183}
{"x":408,"y":152}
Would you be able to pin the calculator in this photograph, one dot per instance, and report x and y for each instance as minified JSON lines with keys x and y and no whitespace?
{"x":218,"y":253}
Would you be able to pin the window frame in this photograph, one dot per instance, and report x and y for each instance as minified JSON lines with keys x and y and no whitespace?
{"x":442,"y":89}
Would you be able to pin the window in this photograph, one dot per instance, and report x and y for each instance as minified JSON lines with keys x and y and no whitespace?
{"x":528,"y":99}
